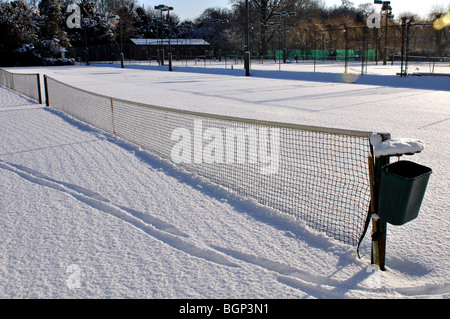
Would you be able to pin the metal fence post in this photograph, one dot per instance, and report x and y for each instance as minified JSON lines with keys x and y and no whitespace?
{"x":402,"y":70}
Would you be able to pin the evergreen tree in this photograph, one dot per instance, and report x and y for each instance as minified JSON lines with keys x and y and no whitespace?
{"x":18,"y":33}
{"x":52,"y":37}
{"x":96,"y":29}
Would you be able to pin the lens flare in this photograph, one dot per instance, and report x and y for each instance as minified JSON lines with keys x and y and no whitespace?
{"x":442,"y":22}
{"x":347,"y":78}
{"x":438,"y":24}
{"x":446,"y":19}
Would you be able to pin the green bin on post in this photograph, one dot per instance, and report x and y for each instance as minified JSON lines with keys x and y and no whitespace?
{"x":402,"y":188}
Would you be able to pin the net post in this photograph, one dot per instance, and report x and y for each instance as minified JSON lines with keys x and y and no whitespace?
{"x":378,"y":225}
{"x":47,"y":101}
{"x":170,"y":60}
{"x":38,"y":77}
{"x":247,"y":63}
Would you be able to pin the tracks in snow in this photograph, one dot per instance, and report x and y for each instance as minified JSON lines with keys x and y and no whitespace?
{"x":150,"y":225}
{"x":322,"y":287}
{"x":158,"y":228}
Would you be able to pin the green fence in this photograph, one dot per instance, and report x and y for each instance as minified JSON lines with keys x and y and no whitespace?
{"x":302,"y":55}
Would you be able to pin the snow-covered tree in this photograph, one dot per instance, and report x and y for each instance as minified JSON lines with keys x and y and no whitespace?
{"x":52,"y":37}
{"x":95,"y":28}
{"x":18,"y":32}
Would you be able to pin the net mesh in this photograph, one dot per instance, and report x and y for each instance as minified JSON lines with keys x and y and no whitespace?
{"x":26,"y":84}
{"x":318,"y":175}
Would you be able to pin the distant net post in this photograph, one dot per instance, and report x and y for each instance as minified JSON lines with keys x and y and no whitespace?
{"x":247,"y":63}
{"x":47,"y":101}
{"x":170,"y":61}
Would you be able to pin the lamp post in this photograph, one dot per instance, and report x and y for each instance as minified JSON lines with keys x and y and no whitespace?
{"x":162,"y":8}
{"x":86,"y":50}
{"x":246,"y":52}
{"x":156,"y":20}
{"x":160,"y":52}
{"x":387,"y":9}
{"x":116,"y":17}
{"x":283,"y":16}
{"x":220,"y":36}
{"x":275,"y":29}
{"x":346,"y":48}
{"x":168,"y":9}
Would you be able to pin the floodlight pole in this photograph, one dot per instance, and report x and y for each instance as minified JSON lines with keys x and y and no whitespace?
{"x":386,"y":7}
{"x":162,"y":8}
{"x":315,"y":48}
{"x":220,"y":39}
{"x":283,"y":16}
{"x":385,"y":41}
{"x":170,"y":47}
{"x":116,"y":17}
{"x":402,"y":71}
{"x":346,"y":49}
{"x":246,"y":52}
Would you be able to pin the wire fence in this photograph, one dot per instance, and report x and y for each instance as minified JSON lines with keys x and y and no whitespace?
{"x":26,"y":84}
{"x":407,"y":42}
{"x":318,"y":175}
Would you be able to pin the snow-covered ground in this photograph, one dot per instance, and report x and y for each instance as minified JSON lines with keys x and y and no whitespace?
{"x":413,"y":67}
{"x":87,"y":215}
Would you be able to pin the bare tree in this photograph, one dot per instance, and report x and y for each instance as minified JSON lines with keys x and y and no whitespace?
{"x":442,"y":38}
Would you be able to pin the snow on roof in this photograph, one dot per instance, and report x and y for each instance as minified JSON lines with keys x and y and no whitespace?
{"x":172,"y":41}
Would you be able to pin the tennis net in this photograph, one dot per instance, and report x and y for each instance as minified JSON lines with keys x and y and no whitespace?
{"x":318,"y":175}
{"x":26,"y":84}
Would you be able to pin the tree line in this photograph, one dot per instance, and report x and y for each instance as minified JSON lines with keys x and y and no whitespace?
{"x":35,"y":32}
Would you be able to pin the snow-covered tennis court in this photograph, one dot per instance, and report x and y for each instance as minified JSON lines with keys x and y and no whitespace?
{"x":87,"y":215}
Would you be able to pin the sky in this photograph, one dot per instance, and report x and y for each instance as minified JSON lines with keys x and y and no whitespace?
{"x":191,"y":9}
